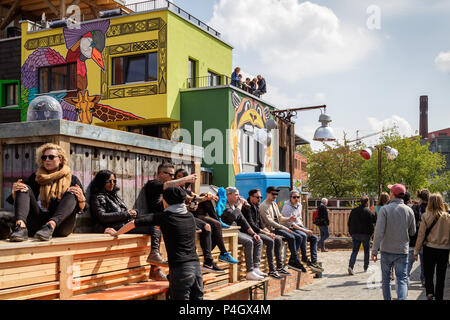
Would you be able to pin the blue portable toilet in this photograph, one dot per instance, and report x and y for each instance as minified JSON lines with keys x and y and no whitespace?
{"x":261,"y":180}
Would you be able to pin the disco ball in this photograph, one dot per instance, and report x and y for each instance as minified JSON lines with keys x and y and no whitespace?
{"x":44,"y":108}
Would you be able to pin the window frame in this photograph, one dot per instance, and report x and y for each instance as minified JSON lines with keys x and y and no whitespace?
{"x":192,"y":84}
{"x":49,"y":78}
{"x":15,"y":94}
{"x":124,"y":59}
{"x":213,"y":75}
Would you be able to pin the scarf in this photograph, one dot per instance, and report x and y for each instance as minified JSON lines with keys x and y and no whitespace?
{"x":53,"y":185}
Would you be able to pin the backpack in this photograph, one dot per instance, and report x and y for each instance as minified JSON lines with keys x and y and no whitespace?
{"x":315,"y":216}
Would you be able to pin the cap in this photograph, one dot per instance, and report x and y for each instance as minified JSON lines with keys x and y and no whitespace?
{"x":174,"y":195}
{"x":272,"y":189}
{"x":397,"y":189}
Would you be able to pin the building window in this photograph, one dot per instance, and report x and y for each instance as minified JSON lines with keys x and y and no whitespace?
{"x":162,"y":131}
{"x":134,"y":68}
{"x":11,"y":94}
{"x":213,"y":79}
{"x":304,"y":166}
{"x":192,"y":78}
{"x":56,"y":78}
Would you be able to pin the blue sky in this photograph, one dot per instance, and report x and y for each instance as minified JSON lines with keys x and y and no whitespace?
{"x":325,"y":52}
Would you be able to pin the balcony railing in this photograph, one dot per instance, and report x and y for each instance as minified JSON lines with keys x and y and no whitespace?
{"x":208,"y":81}
{"x":164,"y":4}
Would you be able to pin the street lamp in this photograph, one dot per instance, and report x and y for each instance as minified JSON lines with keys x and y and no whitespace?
{"x":323,"y":133}
{"x":391,"y":154}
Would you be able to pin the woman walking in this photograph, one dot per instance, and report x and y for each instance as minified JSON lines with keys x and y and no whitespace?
{"x":434,"y":236}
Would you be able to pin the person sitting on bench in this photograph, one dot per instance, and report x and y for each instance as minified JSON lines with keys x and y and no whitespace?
{"x":47,"y":203}
{"x":178,"y":230}
{"x":109,"y":211}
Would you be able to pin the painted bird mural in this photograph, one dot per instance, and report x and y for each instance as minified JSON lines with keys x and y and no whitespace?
{"x":84,"y":43}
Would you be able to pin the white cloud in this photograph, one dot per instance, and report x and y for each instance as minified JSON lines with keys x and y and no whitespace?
{"x":402,"y":124}
{"x":291,"y":40}
{"x":442,"y":61}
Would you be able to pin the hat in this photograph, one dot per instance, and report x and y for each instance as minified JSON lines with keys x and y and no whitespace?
{"x":397,"y":189}
{"x":272,"y":189}
{"x":231,"y":190}
{"x":174,"y":195}
{"x":406,"y":197}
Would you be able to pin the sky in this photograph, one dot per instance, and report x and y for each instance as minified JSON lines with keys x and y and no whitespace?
{"x":368,"y":61}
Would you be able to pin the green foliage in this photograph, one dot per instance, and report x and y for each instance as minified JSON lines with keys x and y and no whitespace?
{"x":340,"y":171}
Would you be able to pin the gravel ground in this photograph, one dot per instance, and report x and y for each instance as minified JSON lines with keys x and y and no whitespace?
{"x":337,"y":284}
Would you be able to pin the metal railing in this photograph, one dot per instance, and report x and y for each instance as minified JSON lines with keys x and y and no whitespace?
{"x":164,"y":4}
{"x":208,"y":81}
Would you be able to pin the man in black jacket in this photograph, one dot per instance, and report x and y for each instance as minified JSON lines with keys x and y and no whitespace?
{"x":271,"y":240}
{"x":323,"y":222}
{"x":178,"y":229}
{"x":360,"y":226}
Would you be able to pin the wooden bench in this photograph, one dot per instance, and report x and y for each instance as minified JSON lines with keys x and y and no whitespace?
{"x":82,"y":263}
{"x":232,"y":288}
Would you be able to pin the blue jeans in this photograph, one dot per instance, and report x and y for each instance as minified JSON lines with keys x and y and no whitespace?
{"x":324,"y":235}
{"x":357,"y":240}
{"x":312,"y":245}
{"x":411,"y":262}
{"x":400,"y":263}
{"x":186,"y":281}
{"x":294,"y":241}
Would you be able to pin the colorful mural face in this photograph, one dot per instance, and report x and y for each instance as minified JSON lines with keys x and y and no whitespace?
{"x":87,"y":42}
{"x":250,"y":118}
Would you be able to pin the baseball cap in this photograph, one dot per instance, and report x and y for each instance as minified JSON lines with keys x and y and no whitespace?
{"x":272,"y":189}
{"x":397,"y":189}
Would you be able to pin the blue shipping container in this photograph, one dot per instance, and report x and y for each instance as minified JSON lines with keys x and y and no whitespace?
{"x":261,"y":180}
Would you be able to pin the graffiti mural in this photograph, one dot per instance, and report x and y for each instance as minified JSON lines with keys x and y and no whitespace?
{"x":84,"y":43}
{"x":250,"y":118}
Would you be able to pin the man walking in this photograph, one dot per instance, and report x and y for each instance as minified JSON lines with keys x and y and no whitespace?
{"x":323,"y":222}
{"x":360,"y":226}
{"x":395,"y":224}
{"x":271,"y":240}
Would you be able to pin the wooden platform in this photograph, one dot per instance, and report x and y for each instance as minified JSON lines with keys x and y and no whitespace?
{"x":80,"y":263}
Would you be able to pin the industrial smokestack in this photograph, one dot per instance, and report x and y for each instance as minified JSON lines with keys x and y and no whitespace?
{"x":423,"y":120}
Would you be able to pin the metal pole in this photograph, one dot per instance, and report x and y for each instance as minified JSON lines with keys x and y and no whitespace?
{"x":379,"y":171}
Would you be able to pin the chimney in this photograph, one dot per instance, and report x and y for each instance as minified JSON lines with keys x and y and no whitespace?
{"x":423,"y":120}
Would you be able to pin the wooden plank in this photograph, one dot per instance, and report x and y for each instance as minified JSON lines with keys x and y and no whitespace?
{"x":29,"y":271}
{"x":8,"y":157}
{"x":66,"y":277}
{"x":197,"y":171}
{"x":231,"y":289}
{"x":2,"y":198}
{"x":30,"y":292}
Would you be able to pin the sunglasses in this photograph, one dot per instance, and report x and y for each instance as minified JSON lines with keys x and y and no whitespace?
{"x":112,"y":181}
{"x":170,"y":174}
{"x":257,"y":197}
{"x":50,"y":157}
{"x":274,"y":194}
{"x":295,"y":197}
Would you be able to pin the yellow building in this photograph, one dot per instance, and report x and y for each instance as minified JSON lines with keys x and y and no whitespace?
{"x":125,"y":71}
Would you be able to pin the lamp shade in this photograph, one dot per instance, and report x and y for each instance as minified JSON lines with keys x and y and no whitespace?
{"x":391,"y":153}
{"x":324,"y":132}
{"x":366,"y":153}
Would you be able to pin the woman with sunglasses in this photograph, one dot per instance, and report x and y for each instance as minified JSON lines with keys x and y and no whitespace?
{"x":108,"y":209}
{"x":47,"y":203}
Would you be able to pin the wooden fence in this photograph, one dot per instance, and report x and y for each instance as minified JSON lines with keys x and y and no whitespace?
{"x":338,"y":221}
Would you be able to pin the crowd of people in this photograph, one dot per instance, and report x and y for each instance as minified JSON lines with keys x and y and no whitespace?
{"x":256,"y":86}
{"x":404,"y":230}
{"x":47,"y":203}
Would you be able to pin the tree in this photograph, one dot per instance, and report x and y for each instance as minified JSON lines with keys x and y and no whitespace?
{"x":334,"y":171}
{"x":416,"y":167}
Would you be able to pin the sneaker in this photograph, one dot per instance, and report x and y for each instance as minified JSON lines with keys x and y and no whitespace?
{"x":154,"y":258}
{"x":157,"y":275}
{"x":224,"y":225}
{"x":19,"y":234}
{"x":212,"y":268}
{"x":283,"y":272}
{"x":350,"y":271}
{"x":275,"y":275}
{"x":253,"y":276}
{"x":315,"y":266}
{"x":45,"y":234}
{"x":297,"y":267}
{"x":227,"y":258}
{"x":259,"y":272}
